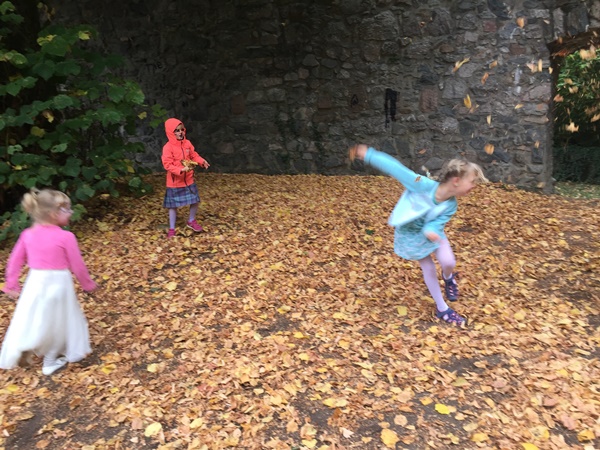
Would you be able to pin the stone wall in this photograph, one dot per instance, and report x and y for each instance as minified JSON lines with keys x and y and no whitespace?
{"x":283,"y":86}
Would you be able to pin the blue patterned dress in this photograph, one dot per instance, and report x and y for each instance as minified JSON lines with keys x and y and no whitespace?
{"x":417,"y":211}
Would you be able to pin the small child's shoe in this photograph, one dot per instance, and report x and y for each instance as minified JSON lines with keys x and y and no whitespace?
{"x":195,"y":226}
{"x":171,"y":233}
{"x":452,"y":317}
{"x":54,"y":366}
{"x":451,"y":288}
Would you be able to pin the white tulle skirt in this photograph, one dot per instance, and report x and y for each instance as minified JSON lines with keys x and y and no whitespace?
{"x":48,"y":320}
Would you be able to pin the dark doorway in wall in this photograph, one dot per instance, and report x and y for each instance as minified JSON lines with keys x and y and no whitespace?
{"x":576,"y":108}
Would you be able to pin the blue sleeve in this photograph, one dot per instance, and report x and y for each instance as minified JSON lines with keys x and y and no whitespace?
{"x":394,"y":168}
{"x":437,"y":225}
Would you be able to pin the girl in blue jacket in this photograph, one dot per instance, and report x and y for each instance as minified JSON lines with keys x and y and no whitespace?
{"x":419,"y":218}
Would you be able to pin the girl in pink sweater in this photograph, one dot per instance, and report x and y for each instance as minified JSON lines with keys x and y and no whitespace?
{"x":48,"y":320}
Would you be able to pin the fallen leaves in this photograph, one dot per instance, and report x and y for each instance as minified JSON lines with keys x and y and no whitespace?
{"x":458,"y":64}
{"x":389,"y":438}
{"x":294,"y":325}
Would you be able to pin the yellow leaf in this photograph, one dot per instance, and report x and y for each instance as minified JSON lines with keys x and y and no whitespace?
{"x":588,"y":54}
{"x":489,"y":148}
{"x":442,"y":409}
{"x":84,"y":35}
{"x":389,"y":438}
{"x":467,"y":101}
{"x":540,"y":65}
{"x":426,"y":401}
{"x":528,"y":446}
{"x":532,"y":67}
{"x":48,"y":115}
{"x":521,"y":22}
{"x":46,"y":39}
{"x":152,"y":429}
{"x":142,"y":115}
{"x":518,"y":105}
{"x":586,"y":435}
{"x":572,"y":127}
{"x":107,"y":369}
{"x":284,"y":309}
{"x":540,"y":432}
{"x":402,"y":311}
{"x":171,"y":285}
{"x":458,"y":64}
{"x":401,"y":420}
{"x":484,"y":78}
{"x":493,"y":64}
{"x":152,"y":368}
{"x":309,"y":443}
{"x":103,"y":226}
{"x":489,"y":120}
{"x":12,"y":388}
{"x":460,"y":382}
{"x":335,"y":402}
{"x":471,"y":427}
{"x":595,"y":118}
{"x":37,"y":131}
{"x":519,"y":315}
{"x":304,"y":357}
{"x":479,"y":437}
{"x":344,"y":344}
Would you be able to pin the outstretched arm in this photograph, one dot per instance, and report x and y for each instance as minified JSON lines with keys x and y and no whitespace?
{"x":199,"y":159}
{"x":392,"y":167}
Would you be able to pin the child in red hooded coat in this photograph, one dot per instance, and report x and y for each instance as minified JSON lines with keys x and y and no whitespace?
{"x":179,"y":159}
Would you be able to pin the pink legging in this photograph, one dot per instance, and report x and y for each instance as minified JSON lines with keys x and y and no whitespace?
{"x":173,"y":215}
{"x":447,"y":261}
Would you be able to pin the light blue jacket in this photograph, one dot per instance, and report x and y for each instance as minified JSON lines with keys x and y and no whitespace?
{"x":418,"y":200}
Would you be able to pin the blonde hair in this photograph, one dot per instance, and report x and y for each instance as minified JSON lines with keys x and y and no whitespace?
{"x":459,"y":168}
{"x":42,"y":204}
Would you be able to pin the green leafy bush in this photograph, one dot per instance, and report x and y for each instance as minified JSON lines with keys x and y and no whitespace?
{"x":577,"y":100}
{"x":68,"y":119}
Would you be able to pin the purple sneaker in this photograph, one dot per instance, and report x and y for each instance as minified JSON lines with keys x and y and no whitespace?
{"x":195,"y":226}
{"x":451,"y":288}
{"x":171,"y":233}
{"x":451,"y":317}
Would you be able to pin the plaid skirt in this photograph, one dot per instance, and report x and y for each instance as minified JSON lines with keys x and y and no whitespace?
{"x":177,"y":197}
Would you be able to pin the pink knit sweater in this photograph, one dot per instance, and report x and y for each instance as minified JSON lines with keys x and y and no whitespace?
{"x":46,"y":247}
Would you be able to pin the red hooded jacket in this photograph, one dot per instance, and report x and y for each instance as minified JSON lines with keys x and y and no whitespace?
{"x":174,"y":152}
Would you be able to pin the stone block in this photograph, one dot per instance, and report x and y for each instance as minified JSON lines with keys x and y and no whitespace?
{"x":490,"y":26}
{"x":434,"y":163}
{"x":324,"y":101}
{"x":454,"y":88}
{"x":428,"y":101}
{"x":516,"y":49}
{"x":381,"y":27}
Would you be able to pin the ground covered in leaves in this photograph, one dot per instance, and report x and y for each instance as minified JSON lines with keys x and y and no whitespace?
{"x":290,"y":324}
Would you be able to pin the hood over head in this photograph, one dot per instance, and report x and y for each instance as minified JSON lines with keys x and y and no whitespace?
{"x":170,"y":126}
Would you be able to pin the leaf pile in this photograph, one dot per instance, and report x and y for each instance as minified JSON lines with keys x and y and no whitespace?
{"x":291,"y":324}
